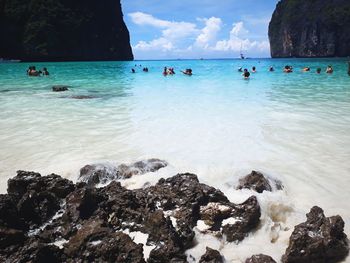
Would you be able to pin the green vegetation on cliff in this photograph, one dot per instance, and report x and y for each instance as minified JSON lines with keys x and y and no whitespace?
{"x":63,"y":30}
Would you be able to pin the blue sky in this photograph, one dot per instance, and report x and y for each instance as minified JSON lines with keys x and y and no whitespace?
{"x":198,"y":28}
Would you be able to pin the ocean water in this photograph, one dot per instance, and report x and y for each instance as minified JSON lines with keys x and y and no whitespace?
{"x":294,"y":127}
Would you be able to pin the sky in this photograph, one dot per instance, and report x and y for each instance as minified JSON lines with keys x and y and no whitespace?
{"x":180,"y":29}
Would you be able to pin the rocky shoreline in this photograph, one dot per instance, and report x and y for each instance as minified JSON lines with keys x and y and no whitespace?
{"x":51,"y":219}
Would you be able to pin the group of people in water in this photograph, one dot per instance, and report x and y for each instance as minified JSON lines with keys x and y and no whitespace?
{"x":289,"y":69}
{"x":33,"y":72}
{"x":167,"y":71}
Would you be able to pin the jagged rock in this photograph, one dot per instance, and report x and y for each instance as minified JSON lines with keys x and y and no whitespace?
{"x":248,"y":214}
{"x":9,"y":216}
{"x":98,"y":173}
{"x":64,"y":222}
{"x":102,"y":173}
{"x":318,"y":240}
{"x":141,"y":167}
{"x":37,"y":198}
{"x":109,"y":247}
{"x":211,"y":256}
{"x":26,"y":181}
{"x":260,"y":259}
{"x":34,"y":251}
{"x":256,"y":181}
{"x":10,"y":237}
{"x":60,"y":88}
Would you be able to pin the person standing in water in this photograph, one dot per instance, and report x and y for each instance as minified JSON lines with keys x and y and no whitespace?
{"x":246,"y":74}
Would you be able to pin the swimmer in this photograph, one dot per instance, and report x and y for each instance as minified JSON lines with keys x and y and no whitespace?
{"x":246,"y":74}
{"x":171,"y":71}
{"x":306,"y":69}
{"x":240,"y":69}
{"x":187,"y":72}
{"x":288,"y":69}
{"x":33,"y":72}
{"x":318,"y":70}
{"x":271,"y":69}
{"x":329,"y":69}
{"x":254,"y":69}
{"x":133,"y":70}
{"x":45,"y":72}
{"x":165,"y":72}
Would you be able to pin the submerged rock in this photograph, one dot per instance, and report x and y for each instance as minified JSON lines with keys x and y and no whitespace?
{"x":318,"y":240}
{"x":102,"y":173}
{"x":211,"y":256}
{"x":260,"y":259}
{"x":83,"y":97}
{"x":257,"y":182}
{"x":60,"y":88}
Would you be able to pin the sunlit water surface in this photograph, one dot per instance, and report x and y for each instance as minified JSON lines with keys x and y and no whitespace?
{"x":294,"y":127}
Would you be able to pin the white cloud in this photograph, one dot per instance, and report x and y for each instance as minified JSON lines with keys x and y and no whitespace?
{"x":171,"y":33}
{"x":161,"y":44}
{"x":237,"y":41}
{"x":180,"y":38}
{"x":238,"y":29}
{"x":140,"y":18}
{"x":209,"y":32}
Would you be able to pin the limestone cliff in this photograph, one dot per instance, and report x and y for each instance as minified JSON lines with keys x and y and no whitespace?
{"x":63,"y":30}
{"x":310,"y":28}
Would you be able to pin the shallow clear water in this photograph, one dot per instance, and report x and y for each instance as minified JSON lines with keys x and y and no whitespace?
{"x":295,"y":127}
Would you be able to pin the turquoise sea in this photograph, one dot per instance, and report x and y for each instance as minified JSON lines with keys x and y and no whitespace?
{"x":295,"y":127}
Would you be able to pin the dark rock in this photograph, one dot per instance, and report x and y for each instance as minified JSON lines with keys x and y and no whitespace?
{"x":318,"y":240}
{"x":64,"y":31}
{"x":211,"y":256}
{"x":60,"y":88}
{"x":256,"y":181}
{"x":249,"y":218}
{"x":108,"y":247}
{"x":88,"y":221}
{"x":260,"y":259}
{"x":30,"y":181}
{"x":103,"y":173}
{"x":310,"y":29}
{"x":141,"y":167}
{"x":98,"y":173}
{"x":35,"y":251}
{"x":10,"y":237}
{"x":9,"y":216}
{"x":37,"y":198}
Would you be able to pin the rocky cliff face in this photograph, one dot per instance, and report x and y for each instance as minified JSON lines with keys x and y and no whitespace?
{"x":312,"y":28}
{"x":60,"y":30}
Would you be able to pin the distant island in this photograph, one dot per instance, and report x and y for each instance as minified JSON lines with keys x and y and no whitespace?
{"x":315,"y":28}
{"x":61,"y":30}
